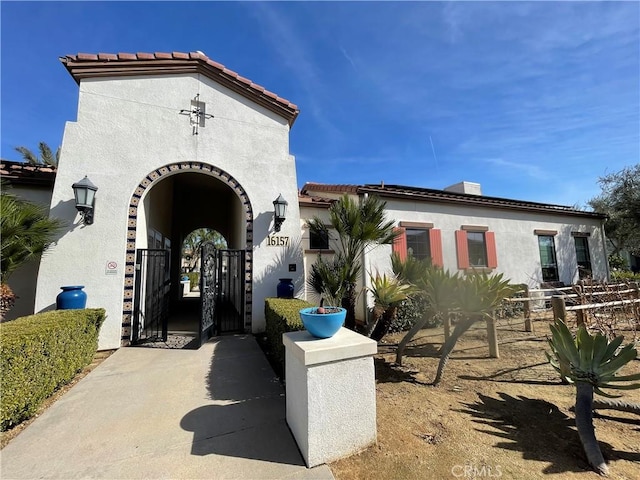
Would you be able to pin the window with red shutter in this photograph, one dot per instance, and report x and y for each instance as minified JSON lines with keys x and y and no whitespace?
{"x":400,"y":243}
{"x":435,"y":240}
{"x":462,"y":249}
{"x":476,"y":247}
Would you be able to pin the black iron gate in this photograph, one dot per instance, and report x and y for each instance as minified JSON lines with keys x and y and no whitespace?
{"x":221,"y":291}
{"x":151,"y":301}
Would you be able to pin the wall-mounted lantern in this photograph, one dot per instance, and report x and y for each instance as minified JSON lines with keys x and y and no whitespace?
{"x":85,"y":193}
{"x":280,"y":212}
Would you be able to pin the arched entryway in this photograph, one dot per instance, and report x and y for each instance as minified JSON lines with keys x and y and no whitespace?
{"x":171,"y":202}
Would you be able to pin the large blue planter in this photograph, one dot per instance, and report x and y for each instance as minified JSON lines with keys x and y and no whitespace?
{"x":285,"y":288}
{"x":71,"y":298}
{"x":322,"y":325}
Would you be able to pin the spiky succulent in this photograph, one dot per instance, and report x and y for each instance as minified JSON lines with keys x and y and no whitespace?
{"x":591,"y":359}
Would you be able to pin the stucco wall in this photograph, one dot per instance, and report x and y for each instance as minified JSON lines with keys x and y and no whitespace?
{"x":516,"y":243}
{"x":128,"y":127}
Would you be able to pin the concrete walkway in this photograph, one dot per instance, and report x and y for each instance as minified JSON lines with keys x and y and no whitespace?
{"x":217,"y":412}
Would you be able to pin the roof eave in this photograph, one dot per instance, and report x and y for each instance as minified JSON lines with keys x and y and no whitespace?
{"x":480,"y":201}
{"x":102,"y":68}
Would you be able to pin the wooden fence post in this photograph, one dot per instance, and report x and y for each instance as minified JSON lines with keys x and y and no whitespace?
{"x":559,"y":308}
{"x":635,"y":295}
{"x":582,"y":291}
{"x":447,"y":326}
{"x":492,"y":335}
{"x":526,"y":308}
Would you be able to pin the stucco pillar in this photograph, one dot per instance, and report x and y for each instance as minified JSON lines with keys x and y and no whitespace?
{"x":331,"y":394}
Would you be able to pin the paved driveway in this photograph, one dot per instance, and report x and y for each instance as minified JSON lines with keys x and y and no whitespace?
{"x":217,"y":412}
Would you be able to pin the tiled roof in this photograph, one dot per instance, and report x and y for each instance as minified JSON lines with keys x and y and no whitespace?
{"x":25,"y":174}
{"x":443,"y":196}
{"x":313,"y":201}
{"x":324,"y":187}
{"x":89,"y":65}
{"x":401,"y":191}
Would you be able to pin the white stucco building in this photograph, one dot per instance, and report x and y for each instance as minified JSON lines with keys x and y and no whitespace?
{"x":176,"y":142}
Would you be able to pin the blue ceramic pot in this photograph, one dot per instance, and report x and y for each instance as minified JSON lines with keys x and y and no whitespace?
{"x":322,"y":325}
{"x":71,"y":298}
{"x":285,"y":288}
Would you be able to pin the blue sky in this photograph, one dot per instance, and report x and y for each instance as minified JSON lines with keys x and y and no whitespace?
{"x":535,"y":101}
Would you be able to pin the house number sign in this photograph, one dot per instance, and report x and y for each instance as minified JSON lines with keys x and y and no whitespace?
{"x":277,"y":241}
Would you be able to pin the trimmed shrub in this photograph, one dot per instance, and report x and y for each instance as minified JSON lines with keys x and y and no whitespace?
{"x":281,"y":316}
{"x":194,"y":279}
{"x":40,"y":353}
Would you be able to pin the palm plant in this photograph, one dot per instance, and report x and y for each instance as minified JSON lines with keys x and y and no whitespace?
{"x":387,"y":293}
{"x":192,"y":244}
{"x":47,"y":157}
{"x":358,"y":225}
{"x":591,"y":363}
{"x":326,"y":278}
{"x":25,"y":232}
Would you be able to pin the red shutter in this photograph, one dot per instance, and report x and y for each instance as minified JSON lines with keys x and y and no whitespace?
{"x":400,"y":243}
{"x":463,"y":249}
{"x":492,"y":256}
{"x":435,"y":242}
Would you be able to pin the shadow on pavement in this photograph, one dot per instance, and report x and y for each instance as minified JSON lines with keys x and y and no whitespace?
{"x":246,"y":417}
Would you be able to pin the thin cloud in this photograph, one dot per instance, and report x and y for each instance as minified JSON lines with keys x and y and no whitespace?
{"x":290,"y":46}
{"x":530,"y":170}
{"x":349,"y":59}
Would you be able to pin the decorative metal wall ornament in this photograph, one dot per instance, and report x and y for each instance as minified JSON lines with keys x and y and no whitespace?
{"x":197,"y":114}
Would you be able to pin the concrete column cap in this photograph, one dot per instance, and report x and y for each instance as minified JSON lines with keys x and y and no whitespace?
{"x":344,"y":345}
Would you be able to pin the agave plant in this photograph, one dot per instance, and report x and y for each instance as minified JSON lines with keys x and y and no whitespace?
{"x":439,"y":286}
{"x":591,"y":363}
{"x":387,"y":293}
{"x":476,"y":296}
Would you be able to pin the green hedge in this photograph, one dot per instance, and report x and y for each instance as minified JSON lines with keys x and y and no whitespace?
{"x":194,"y":279}
{"x":40,"y":353}
{"x":282,"y":316}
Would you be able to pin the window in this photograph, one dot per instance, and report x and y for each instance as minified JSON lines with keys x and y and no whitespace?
{"x":476,"y":247}
{"x":418,"y":243}
{"x":548,"y":260}
{"x":319,"y":240}
{"x":419,"y":240}
{"x":582,"y":256}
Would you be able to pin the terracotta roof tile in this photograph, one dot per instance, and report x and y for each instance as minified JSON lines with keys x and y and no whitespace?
{"x":215,"y":64}
{"x":230,"y":72}
{"x":26,"y":174}
{"x":85,"y":65}
{"x":330,"y":188}
{"x":87,"y":56}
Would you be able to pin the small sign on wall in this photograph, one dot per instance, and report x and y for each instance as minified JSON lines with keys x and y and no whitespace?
{"x":112,"y":268}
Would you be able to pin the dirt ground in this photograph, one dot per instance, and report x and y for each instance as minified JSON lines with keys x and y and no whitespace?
{"x":489,"y":418}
